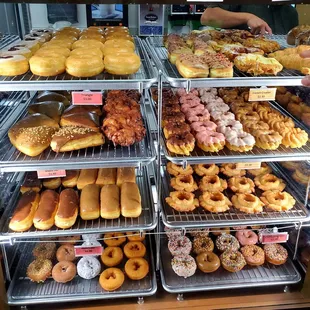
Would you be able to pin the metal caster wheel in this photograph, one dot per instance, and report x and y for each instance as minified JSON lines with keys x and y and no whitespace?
{"x":23,"y":308}
{"x":286,"y":289}
{"x":180,"y":297}
{"x":140,"y":300}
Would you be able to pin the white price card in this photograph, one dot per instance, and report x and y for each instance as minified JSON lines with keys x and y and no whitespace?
{"x":262,"y":94}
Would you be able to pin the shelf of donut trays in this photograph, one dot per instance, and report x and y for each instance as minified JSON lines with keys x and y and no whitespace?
{"x":22,"y":291}
{"x":146,"y":221}
{"x":144,"y":78}
{"x":265,"y":275}
{"x":107,"y":155}
{"x":233,"y":217}
{"x":7,"y":39}
{"x":240,"y":79}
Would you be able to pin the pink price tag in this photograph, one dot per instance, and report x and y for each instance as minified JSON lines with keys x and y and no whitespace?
{"x":46,"y":174}
{"x":88,"y":250}
{"x":281,"y":237}
{"x":86,"y":98}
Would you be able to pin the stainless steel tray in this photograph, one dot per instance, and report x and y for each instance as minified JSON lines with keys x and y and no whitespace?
{"x":266,"y":275}
{"x":107,"y":155}
{"x":146,"y":221}
{"x":240,"y":79}
{"x":233,"y":217}
{"x":8,"y":39}
{"x":22,"y":291}
{"x":144,"y":78}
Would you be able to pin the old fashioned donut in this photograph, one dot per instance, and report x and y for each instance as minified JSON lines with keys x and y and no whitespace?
{"x":232,"y":261}
{"x":135,"y":236}
{"x":206,"y":169}
{"x":114,"y":239}
{"x":269,"y":181}
{"x":230,"y":170}
{"x":44,"y":250}
{"x":184,"y":183}
{"x":64,"y":271}
{"x":65,"y":253}
{"x":136,"y":268}
{"x":241,"y":185}
{"x":275,"y":253}
{"x":179,"y":245}
{"x":202,"y":244}
{"x":134,"y":249}
{"x":264,"y":169}
{"x":111,"y":279}
{"x":39,"y":270}
{"x":277,"y":200}
{"x":246,"y":237}
{"x":247,"y":203}
{"x":175,"y":170}
{"x":217,"y":231}
{"x":227,"y":242}
{"x":214,"y":202}
{"x":183,"y":265}
{"x":112,"y":256}
{"x":253,"y":254}
{"x":212,"y":183}
{"x":88,"y":267}
{"x":208,"y":262}
{"x":182,"y":201}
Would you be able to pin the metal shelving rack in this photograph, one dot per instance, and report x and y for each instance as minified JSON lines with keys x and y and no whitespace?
{"x":7,"y":40}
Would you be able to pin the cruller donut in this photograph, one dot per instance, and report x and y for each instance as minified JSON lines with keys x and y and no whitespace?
{"x":247,"y":203}
{"x":182,"y":201}
{"x":231,"y":170}
{"x":269,"y":181}
{"x":214,"y":202}
{"x":241,"y":185}
{"x":212,"y":183}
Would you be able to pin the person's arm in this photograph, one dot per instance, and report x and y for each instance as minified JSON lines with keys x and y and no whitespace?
{"x":217,"y":17}
{"x":306,"y":80}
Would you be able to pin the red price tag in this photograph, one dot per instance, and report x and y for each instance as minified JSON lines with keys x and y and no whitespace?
{"x":281,"y":237}
{"x":46,"y":174}
{"x":88,"y":250}
{"x":86,"y":98}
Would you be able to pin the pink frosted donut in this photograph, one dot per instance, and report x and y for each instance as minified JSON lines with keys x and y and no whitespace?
{"x":197,"y":116}
{"x":203,"y":126}
{"x":226,"y":126}
{"x":208,"y":97}
{"x":219,"y":116}
{"x":186,"y":107}
{"x":246,"y":237}
{"x":190,"y":99}
{"x":239,"y":227}
{"x":179,"y":245}
{"x":210,"y":137}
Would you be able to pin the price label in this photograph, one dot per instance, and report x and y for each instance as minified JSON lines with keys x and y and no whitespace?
{"x":267,"y":237}
{"x":86,"y":98}
{"x":254,"y":165}
{"x":81,"y":250}
{"x":262,"y":94}
{"x":46,"y":174}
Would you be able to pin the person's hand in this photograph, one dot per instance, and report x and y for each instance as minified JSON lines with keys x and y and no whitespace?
{"x":257,"y":25}
{"x":306,"y":81}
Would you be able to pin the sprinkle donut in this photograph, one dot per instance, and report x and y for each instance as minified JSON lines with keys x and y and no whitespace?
{"x":184,"y":265}
{"x":202,"y":244}
{"x":179,"y":245}
{"x":227,"y":242}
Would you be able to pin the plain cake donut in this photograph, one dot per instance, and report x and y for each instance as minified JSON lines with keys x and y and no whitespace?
{"x":136,"y":268}
{"x":64,"y":271}
{"x":111,"y":279}
{"x":65,"y":252}
{"x":112,"y":256}
{"x":134,"y":249}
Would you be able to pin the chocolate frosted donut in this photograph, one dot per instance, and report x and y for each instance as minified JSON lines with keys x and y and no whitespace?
{"x":175,"y":129}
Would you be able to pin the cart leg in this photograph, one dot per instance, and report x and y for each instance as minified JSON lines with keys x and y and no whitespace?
{"x":286,"y":289}
{"x":180,"y":297}
{"x":140,"y":300}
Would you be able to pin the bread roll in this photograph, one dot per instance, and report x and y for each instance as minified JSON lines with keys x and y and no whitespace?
{"x":31,"y":183}
{"x":130,"y":200}
{"x":85,"y":119}
{"x":23,"y":214}
{"x":52,"y":183}
{"x":52,"y":96}
{"x":87,"y":176}
{"x":52,"y":109}
{"x":106,"y":176}
{"x":126,"y":174}
{"x":44,"y":217}
{"x":78,"y":109}
{"x":71,"y":178}
{"x":33,"y":134}
{"x":109,"y":202}
{"x":68,"y":209}
{"x":89,"y":203}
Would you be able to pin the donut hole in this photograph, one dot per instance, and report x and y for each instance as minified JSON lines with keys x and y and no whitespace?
{"x":111,"y":275}
{"x":232,"y":166}
{"x":136,"y":266}
{"x":183,"y":196}
{"x":243,"y":182}
{"x":185,"y":179}
{"x":270,"y":178}
{"x":110,"y":254}
{"x":213,"y":180}
{"x":216,"y":197}
{"x":135,"y":247}
{"x":249,"y":198}
{"x":279,"y":196}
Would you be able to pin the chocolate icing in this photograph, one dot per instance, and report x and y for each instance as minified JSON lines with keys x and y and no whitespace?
{"x":68,"y":203}
{"x":47,"y":205}
{"x":24,"y":206}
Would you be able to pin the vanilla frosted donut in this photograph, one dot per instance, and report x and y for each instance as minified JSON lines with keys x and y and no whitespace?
{"x":84,"y":65}
{"x":184,"y":265}
{"x":88,"y":267}
{"x":222,"y":116}
{"x":87,"y":51}
{"x":40,"y":38}
{"x":179,"y":245}
{"x":47,"y":66}
{"x":122,"y":63}
{"x":53,"y":51}
{"x":13,"y":65}
{"x":33,"y":46}
{"x":88,"y":44}
{"x":15,"y":50}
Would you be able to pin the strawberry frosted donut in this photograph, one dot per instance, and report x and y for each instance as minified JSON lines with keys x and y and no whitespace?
{"x":225,"y":127}
{"x":184,"y":265}
{"x":210,"y":141}
{"x":187,"y":107}
{"x":203,"y":126}
{"x":189,"y":98}
{"x":219,"y":116}
{"x":239,"y":227}
{"x":179,"y":245}
{"x":197,"y":116}
{"x":182,"y":91}
{"x":246,"y":237}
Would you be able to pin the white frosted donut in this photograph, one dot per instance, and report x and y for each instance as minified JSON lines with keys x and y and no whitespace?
{"x":217,"y":106}
{"x":225,"y":127}
{"x":17,"y":50}
{"x":91,"y":237}
{"x":179,"y":245}
{"x":184,"y":265}
{"x":88,"y":267}
{"x":172,"y":233}
{"x":219,"y":116}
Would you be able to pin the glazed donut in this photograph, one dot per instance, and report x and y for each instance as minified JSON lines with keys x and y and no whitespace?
{"x":206,"y":169}
{"x":241,"y":185}
{"x":120,"y":44}
{"x":84,"y":65}
{"x":119,"y":35}
{"x":181,"y":144}
{"x":253,"y":254}
{"x":112,"y":256}
{"x":136,"y":268}
{"x":202,"y":244}
{"x":69,"y":239}
{"x":182,"y":201}
{"x":44,"y":250}
{"x":184,"y":183}
{"x":39,"y":270}
{"x":87,"y":44}
{"x":47,"y":66}
{"x":175,"y":170}
{"x":114,"y":239}
{"x":134,"y":249}
{"x":122,"y":63}
{"x":232,"y":261}
{"x":87,"y":51}
{"x":51,"y":51}
{"x":217,"y":231}
{"x":188,"y":107}
{"x":275,"y":253}
{"x":175,"y":129}
{"x":135,"y":236}
{"x":111,"y":279}
{"x":183,"y":265}
{"x":208,"y":262}
{"x":88,"y":267}
{"x":212,"y":183}
{"x":240,"y":141}
{"x":65,"y":253}
{"x":179,"y":245}
{"x":214,"y":202}
{"x":247,"y":203}
{"x":264,"y":169}
{"x":57,"y":44}
{"x":249,"y":115}
{"x":277,"y":200}
{"x":92,"y":36}
{"x":63,"y":38}
{"x":227,"y":242}
{"x":219,"y":116}
{"x":230,"y":170}
{"x":15,"y":50}
{"x":246,"y":237}
{"x":269,"y":181}
{"x":64,"y":272}
{"x":13,"y":65}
